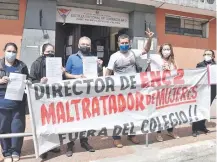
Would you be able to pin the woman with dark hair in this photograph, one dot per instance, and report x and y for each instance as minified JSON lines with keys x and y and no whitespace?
{"x":38,"y":74}
{"x":209,"y":56}
{"x":12,"y":113}
{"x":167,"y":55}
{"x":38,"y":68}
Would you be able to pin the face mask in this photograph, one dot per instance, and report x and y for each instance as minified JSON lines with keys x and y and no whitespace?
{"x":49,"y":55}
{"x":166,"y":53}
{"x":207,"y":58}
{"x":10,"y":56}
{"x":84,"y":49}
{"x":124,"y":48}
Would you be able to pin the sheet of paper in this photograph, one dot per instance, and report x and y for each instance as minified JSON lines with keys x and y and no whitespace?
{"x":156,"y":61}
{"x":213,"y":71}
{"x":100,"y":51}
{"x":100,"y":54}
{"x":16,"y":86}
{"x":90,"y":66}
{"x":140,"y":44}
{"x":70,"y":40}
{"x":68,"y":51}
{"x":100,"y":48}
{"x":152,"y":44}
{"x":53,"y":69}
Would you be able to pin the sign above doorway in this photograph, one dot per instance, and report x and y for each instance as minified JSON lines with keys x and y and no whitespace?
{"x":92,"y":17}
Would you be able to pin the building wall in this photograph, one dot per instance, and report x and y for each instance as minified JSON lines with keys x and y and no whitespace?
{"x":206,"y":5}
{"x":12,"y":30}
{"x":34,"y":34}
{"x":188,"y":50}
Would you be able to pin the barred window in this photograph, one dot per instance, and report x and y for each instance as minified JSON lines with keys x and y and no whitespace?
{"x":186,"y":26}
{"x":9,"y":9}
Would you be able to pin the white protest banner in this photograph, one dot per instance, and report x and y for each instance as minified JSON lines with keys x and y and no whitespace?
{"x":212,"y":74}
{"x":118,"y":105}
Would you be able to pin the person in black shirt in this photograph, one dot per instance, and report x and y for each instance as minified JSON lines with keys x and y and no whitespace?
{"x":38,"y":74}
{"x":209,"y":57}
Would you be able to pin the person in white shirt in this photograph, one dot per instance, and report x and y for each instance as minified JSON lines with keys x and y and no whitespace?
{"x":167,"y":55}
{"x":124,"y":62}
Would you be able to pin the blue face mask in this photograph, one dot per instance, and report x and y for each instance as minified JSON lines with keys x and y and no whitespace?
{"x":124,"y":47}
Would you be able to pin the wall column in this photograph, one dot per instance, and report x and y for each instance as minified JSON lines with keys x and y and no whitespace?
{"x":139,"y":22}
{"x":39,"y":28}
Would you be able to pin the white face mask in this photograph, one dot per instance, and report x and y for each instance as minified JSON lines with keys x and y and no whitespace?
{"x":207,"y":58}
{"x":166,"y":53}
{"x":10,"y":56}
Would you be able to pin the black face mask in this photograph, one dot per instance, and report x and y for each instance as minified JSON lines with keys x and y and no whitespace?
{"x":84,"y":49}
{"x":48,"y":55}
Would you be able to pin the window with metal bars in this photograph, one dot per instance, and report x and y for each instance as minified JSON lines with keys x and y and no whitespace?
{"x":9,"y":9}
{"x":186,"y":26}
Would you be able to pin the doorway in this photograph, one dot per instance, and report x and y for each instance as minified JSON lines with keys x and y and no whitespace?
{"x":103,"y":40}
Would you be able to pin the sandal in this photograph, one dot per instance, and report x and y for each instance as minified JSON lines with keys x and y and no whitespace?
{"x":159,"y":137}
{"x":173,"y":135}
{"x":118,"y":143}
{"x":133,"y":139}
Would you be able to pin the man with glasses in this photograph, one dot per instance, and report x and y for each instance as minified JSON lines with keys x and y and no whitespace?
{"x":74,"y":70}
{"x":209,"y":57}
{"x":124,"y":62}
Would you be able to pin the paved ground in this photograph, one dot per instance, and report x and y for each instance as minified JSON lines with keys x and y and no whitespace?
{"x":197,"y":152}
{"x":107,"y":153}
{"x":187,"y":148}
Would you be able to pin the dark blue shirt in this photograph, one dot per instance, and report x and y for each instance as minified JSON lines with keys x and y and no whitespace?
{"x":74,"y":64}
{"x":4,"y":103}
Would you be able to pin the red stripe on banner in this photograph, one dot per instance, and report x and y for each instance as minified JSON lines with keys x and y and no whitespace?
{"x":175,"y":104}
{"x":208,"y":69}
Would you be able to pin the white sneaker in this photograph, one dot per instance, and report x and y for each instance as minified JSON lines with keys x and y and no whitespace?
{"x":15,"y":158}
{"x":8,"y":159}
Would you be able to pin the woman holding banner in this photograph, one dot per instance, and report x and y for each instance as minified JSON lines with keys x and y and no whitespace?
{"x":167,"y":55}
{"x":38,"y":74}
{"x":209,"y":57}
{"x":12,"y":113}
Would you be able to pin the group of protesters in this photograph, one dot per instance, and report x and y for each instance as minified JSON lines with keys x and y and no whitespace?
{"x":12,"y":113}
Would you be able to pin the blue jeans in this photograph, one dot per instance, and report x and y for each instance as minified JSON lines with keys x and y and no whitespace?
{"x":12,"y":121}
{"x":119,"y":137}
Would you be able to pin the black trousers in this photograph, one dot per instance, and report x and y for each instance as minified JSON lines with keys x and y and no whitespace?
{"x":213,"y":93}
{"x":170,"y":130}
{"x":82,"y":140}
{"x":200,"y":125}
